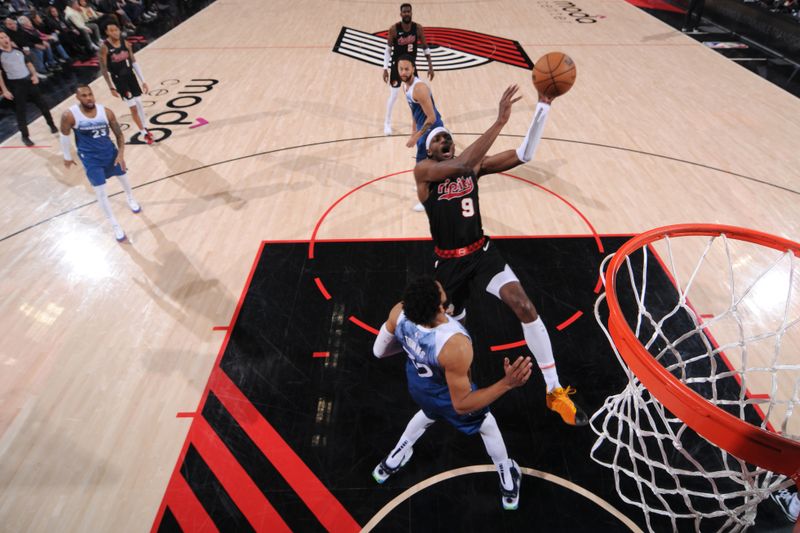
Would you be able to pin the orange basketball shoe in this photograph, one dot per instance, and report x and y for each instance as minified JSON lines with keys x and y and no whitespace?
{"x":558,"y":401}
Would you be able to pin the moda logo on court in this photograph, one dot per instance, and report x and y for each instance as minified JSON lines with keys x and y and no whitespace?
{"x":184,"y":95}
{"x":566,"y":11}
{"x":451,"y":49}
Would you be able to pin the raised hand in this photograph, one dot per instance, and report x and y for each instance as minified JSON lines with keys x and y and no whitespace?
{"x":518,"y":372}
{"x":506,"y":101}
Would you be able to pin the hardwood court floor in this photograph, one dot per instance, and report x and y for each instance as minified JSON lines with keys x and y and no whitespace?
{"x":103,"y":344}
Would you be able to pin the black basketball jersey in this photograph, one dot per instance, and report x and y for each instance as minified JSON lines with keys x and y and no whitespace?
{"x":118,"y":60}
{"x":405,"y":42}
{"x":454,"y":212}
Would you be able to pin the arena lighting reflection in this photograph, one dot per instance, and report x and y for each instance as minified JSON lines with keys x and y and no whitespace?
{"x":45,"y":316}
{"x":83,"y":256}
{"x":335,"y":336}
{"x":770,"y":292}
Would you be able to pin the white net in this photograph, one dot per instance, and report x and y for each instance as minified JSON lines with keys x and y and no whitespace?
{"x":727,"y":326}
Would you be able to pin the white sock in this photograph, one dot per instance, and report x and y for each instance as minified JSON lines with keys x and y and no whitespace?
{"x":126,"y":185}
{"x":393,"y":92}
{"x":493,"y":440}
{"x":140,"y":111}
{"x":414,"y":430}
{"x":102,"y":199}
{"x":538,"y":342}
{"x":496,"y":448}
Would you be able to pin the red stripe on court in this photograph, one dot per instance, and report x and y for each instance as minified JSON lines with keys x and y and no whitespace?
{"x":570,"y":320}
{"x":220,"y":328}
{"x":245,"y":494}
{"x":320,"y":354}
{"x":328,"y":510}
{"x":322,"y":288}
{"x":499,"y":347}
{"x":707,"y":316}
{"x":363,"y":325}
{"x":501,"y":53}
{"x":186,"y":508}
{"x":186,"y":414}
{"x":599,"y":284}
{"x":204,"y":396}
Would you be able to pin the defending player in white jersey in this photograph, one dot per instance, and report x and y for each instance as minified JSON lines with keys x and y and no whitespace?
{"x":439,"y":352}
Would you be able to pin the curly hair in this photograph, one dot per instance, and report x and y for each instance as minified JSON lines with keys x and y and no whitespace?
{"x":421,"y":300}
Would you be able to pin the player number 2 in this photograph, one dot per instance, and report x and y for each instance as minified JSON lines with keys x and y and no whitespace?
{"x":467,"y":209}
{"x":410,"y":47}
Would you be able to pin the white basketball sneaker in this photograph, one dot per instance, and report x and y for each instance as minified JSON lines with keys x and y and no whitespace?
{"x":510,"y":481}
{"x":118,"y":233}
{"x":134,"y":205}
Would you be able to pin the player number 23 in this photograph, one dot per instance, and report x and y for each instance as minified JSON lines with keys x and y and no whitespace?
{"x":96,"y":134}
{"x":467,"y":208}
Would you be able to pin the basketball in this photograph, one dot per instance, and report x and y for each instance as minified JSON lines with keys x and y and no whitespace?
{"x":554,"y":74}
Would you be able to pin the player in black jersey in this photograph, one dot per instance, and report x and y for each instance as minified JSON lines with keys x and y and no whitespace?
{"x":465,"y":259}
{"x":118,"y":65}
{"x":404,"y":38}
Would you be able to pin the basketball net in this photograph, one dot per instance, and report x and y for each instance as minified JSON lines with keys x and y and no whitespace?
{"x":740,"y":355}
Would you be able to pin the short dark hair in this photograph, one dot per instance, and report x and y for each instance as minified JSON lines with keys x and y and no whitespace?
{"x":82,"y":86}
{"x":403,"y":6}
{"x":406,"y":57}
{"x":111,"y":22}
{"x":421,"y":300}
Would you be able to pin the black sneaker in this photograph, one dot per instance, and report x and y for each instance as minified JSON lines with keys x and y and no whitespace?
{"x":382,"y":472}
{"x":53,"y":128}
{"x":27,"y":141}
{"x":784,"y":499}
{"x":510,"y":497}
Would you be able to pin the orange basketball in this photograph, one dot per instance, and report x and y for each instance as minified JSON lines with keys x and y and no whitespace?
{"x":554,"y":74}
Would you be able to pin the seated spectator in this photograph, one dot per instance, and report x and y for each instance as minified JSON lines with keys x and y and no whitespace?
{"x":113,"y":9}
{"x":28,"y":44}
{"x":52,"y":46}
{"x":20,"y":7}
{"x":71,"y":37}
{"x":75,"y":15}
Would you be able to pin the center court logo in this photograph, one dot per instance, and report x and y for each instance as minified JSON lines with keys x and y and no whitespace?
{"x":566,"y":11}
{"x":451,"y":48}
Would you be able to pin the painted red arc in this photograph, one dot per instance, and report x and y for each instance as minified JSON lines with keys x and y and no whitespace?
{"x":326,"y":294}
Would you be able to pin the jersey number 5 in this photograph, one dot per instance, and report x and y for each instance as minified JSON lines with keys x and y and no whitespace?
{"x":467,"y":208}
{"x":423,"y":370}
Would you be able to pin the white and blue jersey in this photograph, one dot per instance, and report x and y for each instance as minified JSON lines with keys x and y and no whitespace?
{"x":95,"y":148}
{"x":426,"y":380}
{"x":419,"y":118}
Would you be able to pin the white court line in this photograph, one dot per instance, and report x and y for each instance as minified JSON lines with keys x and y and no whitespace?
{"x":400,"y":498}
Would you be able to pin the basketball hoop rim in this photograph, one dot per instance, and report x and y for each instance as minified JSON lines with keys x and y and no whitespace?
{"x":739,"y":438}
